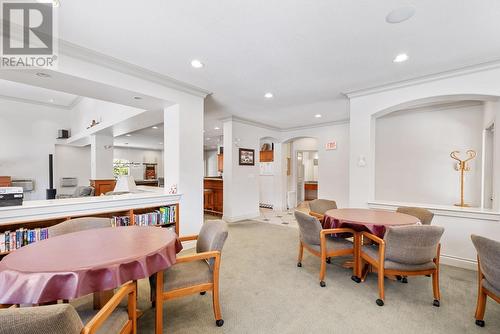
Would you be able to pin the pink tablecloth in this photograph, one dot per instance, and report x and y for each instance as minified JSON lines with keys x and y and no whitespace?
{"x":373,"y":221}
{"x":76,"y":264}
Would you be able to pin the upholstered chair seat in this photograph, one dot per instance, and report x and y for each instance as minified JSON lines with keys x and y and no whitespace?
{"x":113,"y":324}
{"x":196,"y":273}
{"x":405,"y":251}
{"x":488,"y":262}
{"x":187,"y":274}
{"x":79,"y":224}
{"x":424,"y":215}
{"x":314,"y":239}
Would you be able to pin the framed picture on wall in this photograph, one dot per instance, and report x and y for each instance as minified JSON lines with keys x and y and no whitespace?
{"x":247,"y":157}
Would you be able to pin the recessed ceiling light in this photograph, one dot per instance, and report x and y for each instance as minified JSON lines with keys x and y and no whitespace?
{"x":216,"y":128}
{"x":43,"y":75}
{"x":318,"y":116}
{"x":268,"y":95}
{"x":208,"y":138}
{"x":128,"y":135}
{"x":51,"y":100}
{"x":161,"y":143}
{"x":402,"y":57}
{"x":155,"y":127}
{"x":137,"y":98}
{"x":400,"y":14}
{"x":196,"y":63}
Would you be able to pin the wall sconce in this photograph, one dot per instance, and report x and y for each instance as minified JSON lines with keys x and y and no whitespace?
{"x":361,"y":161}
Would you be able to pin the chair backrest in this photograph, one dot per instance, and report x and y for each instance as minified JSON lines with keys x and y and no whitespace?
{"x":51,"y":319}
{"x":84,"y":191}
{"x":489,"y":258}
{"x":322,"y":205}
{"x":212,"y":236}
{"x":309,"y":227}
{"x":424,"y":215}
{"x":79,"y":224}
{"x":415,"y":244}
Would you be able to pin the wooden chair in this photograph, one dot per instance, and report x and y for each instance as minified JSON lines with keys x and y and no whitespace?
{"x":405,"y":251}
{"x":65,"y":319}
{"x":488,"y":269}
{"x":424,"y":215}
{"x":313,"y":238}
{"x":318,"y":207}
{"x":197,"y":273}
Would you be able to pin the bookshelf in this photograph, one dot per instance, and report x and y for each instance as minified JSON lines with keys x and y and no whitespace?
{"x":130,"y":213}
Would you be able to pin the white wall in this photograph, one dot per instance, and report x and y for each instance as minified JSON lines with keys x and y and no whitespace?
{"x":241,"y":189}
{"x":89,"y":109}
{"x":412,"y":154}
{"x":71,"y":161}
{"x":139,"y":155}
{"x":210,"y":161}
{"x":28,"y":135}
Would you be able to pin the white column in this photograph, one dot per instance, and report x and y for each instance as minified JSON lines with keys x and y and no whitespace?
{"x":362,"y":158}
{"x":101,"y":156}
{"x":183,"y":160}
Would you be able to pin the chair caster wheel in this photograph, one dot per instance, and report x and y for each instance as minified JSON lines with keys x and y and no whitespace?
{"x":299,"y":264}
{"x":356,"y":279}
{"x":427,"y":275}
{"x":153,"y":304}
{"x":328,"y":260}
{"x":322,"y":284}
{"x":404,"y":280}
{"x":436,"y":303}
{"x":480,"y":323}
{"x":219,"y":322}
{"x":203,"y":293}
{"x":398,"y":277}
{"x":380,"y":302}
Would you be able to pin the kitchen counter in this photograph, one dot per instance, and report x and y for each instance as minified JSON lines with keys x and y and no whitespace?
{"x":213,"y":195}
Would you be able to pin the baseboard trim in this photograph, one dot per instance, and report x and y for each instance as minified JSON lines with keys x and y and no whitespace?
{"x":235,"y":219}
{"x":459,"y":262}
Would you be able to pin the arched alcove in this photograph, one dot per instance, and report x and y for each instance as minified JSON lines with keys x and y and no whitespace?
{"x":412,"y":142}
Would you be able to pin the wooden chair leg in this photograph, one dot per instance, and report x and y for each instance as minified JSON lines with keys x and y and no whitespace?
{"x":132,"y":308}
{"x":216,"y":303}
{"x":301,"y":254}
{"x":435,"y":287}
{"x":481,"y":304}
{"x":159,"y":303}
{"x":381,"y":292}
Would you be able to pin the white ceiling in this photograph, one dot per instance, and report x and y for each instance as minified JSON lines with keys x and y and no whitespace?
{"x":147,"y":138}
{"x":305,"y":52}
{"x":33,"y":94}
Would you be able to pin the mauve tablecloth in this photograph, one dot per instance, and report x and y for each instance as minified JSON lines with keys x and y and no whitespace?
{"x":76,"y":264}
{"x":373,"y":221}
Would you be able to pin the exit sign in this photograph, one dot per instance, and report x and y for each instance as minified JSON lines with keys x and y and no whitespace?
{"x":331,"y":145}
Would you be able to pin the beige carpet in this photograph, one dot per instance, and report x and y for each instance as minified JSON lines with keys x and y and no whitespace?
{"x":263,"y":291}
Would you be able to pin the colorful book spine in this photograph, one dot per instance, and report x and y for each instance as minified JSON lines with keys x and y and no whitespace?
{"x":12,"y":240}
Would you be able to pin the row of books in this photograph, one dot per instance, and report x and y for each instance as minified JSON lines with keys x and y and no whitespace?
{"x":10,"y":241}
{"x":163,"y":216}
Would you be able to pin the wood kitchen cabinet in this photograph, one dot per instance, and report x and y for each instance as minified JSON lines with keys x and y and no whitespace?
{"x":103,"y":186}
{"x":266,"y":156}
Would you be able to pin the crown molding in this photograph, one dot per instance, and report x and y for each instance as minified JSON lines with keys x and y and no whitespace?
{"x":75,"y":51}
{"x":35,"y":102}
{"x":278,"y":129}
{"x":469,"y":69}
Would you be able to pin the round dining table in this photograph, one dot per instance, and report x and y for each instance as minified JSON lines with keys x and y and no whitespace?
{"x":369,"y":220}
{"x":373,"y":221}
{"x":79,"y":263}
